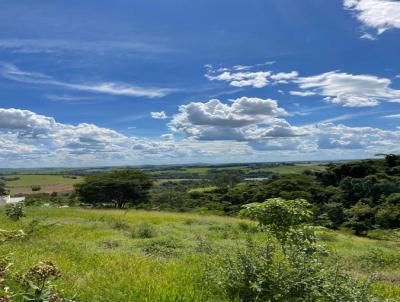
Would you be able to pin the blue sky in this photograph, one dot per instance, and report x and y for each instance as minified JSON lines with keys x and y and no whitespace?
{"x":87,"y":83}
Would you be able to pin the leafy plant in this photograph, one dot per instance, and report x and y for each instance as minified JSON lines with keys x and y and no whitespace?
{"x":290,"y":266}
{"x":36,"y":284}
{"x":15,"y":211}
{"x":143,"y":230}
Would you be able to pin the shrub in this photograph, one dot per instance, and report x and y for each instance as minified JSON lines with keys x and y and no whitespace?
{"x":290,"y":266}
{"x":15,"y":211}
{"x":143,"y":230}
{"x":165,"y":247}
{"x":36,"y":188}
{"x":36,"y":285}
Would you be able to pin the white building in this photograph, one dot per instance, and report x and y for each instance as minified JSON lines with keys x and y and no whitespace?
{"x":8,"y":199}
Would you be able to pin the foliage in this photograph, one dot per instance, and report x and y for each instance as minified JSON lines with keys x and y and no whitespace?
{"x":15,"y":211}
{"x":281,"y":217}
{"x":119,"y":187}
{"x":36,"y":285}
{"x":227,"y":178}
{"x":143,"y":230}
{"x":3,"y":190}
{"x":36,"y":188}
{"x":285,"y":268}
{"x":102,"y":263}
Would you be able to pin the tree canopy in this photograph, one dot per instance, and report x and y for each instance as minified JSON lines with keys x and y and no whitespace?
{"x":119,"y":187}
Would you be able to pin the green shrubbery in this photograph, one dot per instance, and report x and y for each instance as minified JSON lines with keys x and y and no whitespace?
{"x":290,"y":266}
{"x":15,"y":211}
{"x":36,"y":285}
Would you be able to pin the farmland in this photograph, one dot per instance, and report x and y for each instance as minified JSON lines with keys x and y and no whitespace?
{"x":49,"y":183}
{"x":62,"y":180}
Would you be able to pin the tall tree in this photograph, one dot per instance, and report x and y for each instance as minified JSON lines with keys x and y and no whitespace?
{"x":120,"y":187}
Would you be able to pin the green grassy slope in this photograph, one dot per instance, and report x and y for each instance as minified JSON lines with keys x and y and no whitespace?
{"x":44,"y":180}
{"x":109,"y":255}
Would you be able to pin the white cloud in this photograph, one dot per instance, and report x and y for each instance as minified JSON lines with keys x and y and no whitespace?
{"x":59,"y":46}
{"x":368,"y":36}
{"x":393,"y":116}
{"x":350,"y":90}
{"x":381,"y":15}
{"x":239,"y":76}
{"x":243,"y":119}
{"x":30,"y":139}
{"x":302,"y":93}
{"x":245,"y":130}
{"x":11,"y":72}
{"x":284,"y":77}
{"x":159,"y":115}
{"x":241,"y":79}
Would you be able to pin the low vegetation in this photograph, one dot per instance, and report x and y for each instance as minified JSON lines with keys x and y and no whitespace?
{"x":112,"y":255}
{"x":325,"y":235}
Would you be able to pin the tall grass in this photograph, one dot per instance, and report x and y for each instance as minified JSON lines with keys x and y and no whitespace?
{"x":110,"y":255}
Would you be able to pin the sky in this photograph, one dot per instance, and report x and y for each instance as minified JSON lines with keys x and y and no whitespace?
{"x":132,"y":82}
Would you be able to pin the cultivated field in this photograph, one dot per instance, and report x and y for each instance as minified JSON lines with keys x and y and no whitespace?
{"x":48,"y":183}
{"x":109,"y":255}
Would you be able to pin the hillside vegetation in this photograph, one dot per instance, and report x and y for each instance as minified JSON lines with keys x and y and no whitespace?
{"x":111,"y":255}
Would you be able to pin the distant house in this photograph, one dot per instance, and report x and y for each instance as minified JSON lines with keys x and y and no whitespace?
{"x":10,"y":200}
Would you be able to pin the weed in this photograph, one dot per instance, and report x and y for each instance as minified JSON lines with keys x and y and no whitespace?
{"x":143,"y":230}
{"x":110,"y":244}
{"x":164,"y":247}
{"x":15,"y":211}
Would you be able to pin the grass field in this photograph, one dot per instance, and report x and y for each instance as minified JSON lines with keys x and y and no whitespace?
{"x":110,"y":255}
{"x":48,"y":183}
{"x":282,"y":169}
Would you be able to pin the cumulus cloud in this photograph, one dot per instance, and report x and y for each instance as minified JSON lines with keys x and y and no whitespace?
{"x":350,"y":90}
{"x":325,"y":137}
{"x":159,"y":115}
{"x":245,"y":129}
{"x":381,"y":15}
{"x":31,"y":139}
{"x":244,"y":119}
{"x":12,"y":72}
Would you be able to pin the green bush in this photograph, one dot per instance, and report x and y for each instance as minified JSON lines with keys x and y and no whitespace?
{"x":36,"y":285}
{"x":15,"y":211}
{"x":290,"y":266}
{"x":143,"y":230}
{"x":163,"y":247}
{"x":36,"y":188}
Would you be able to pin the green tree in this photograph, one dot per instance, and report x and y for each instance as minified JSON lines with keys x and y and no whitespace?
{"x":284,"y":218}
{"x":227,"y":179}
{"x":361,"y":217}
{"x":120,"y":187}
{"x":3,"y":190}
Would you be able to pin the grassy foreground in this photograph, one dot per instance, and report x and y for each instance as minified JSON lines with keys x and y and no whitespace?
{"x":109,"y":255}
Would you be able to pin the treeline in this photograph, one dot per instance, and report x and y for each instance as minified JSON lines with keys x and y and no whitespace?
{"x":362,"y":195}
